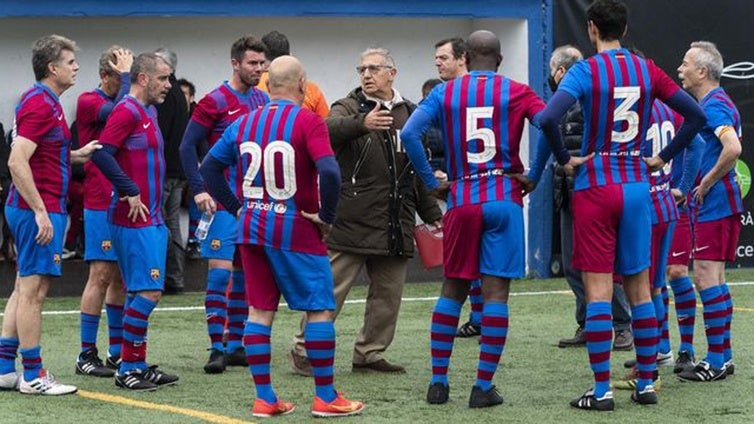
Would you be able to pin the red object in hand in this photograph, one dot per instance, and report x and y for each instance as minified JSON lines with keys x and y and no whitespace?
{"x":429,"y":243}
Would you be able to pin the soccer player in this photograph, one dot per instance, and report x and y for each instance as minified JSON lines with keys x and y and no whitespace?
{"x":40,"y":166}
{"x":212,"y":115}
{"x":450,"y":60}
{"x":663,"y":125}
{"x":718,"y":203}
{"x":611,"y":200}
{"x":104,"y":283}
{"x":282,"y":149}
{"x":484,"y":226}
{"x":132,"y":159}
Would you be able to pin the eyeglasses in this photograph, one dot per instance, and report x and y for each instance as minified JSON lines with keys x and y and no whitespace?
{"x":373,"y":69}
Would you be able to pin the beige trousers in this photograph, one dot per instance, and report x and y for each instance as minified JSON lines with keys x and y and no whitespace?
{"x":387,"y":275}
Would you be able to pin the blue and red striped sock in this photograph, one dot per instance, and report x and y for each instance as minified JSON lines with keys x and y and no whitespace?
{"x":476,"y":302}
{"x":598,"y":329}
{"x":135,"y":325}
{"x":215,"y":305}
{"x":685,"y":310}
{"x":256,"y":339}
{"x":114,"y":328}
{"x":89,"y":327}
{"x":442,"y":334}
{"x":31,"y":359}
{"x":715,"y":313}
{"x":644,"y":326}
{"x":8,"y":354}
{"x":727,"y":348}
{"x":319,"y":339}
{"x":664,"y":331}
{"x":659,"y":311}
{"x":238,"y":311}
{"x":492,"y":342}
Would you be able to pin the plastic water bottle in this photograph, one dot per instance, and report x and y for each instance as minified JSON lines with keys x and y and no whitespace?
{"x":203,"y":228}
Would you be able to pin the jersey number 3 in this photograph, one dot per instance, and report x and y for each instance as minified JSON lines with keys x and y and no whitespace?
{"x":623,"y":112}
{"x":288,"y":163}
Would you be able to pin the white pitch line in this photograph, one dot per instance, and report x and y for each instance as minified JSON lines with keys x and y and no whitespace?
{"x":353,"y":301}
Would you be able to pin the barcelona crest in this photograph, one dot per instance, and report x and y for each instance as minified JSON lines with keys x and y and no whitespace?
{"x":215,"y":244}
{"x":106,"y":245}
{"x":154,"y":273}
{"x":56,"y":259}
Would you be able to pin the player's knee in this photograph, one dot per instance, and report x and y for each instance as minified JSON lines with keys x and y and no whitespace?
{"x":677,"y":271}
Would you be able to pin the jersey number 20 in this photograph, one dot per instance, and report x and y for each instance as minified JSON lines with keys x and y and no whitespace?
{"x":288,"y":159}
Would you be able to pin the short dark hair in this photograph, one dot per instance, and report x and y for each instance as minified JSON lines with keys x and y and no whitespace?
{"x":610,"y":17}
{"x":183,"y":82}
{"x":430,"y":84}
{"x":146,"y":63}
{"x":456,"y":43}
{"x":46,"y":50}
{"x":246,"y":43}
{"x":277,"y":44}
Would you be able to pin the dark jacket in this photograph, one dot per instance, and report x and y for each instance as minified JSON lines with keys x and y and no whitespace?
{"x":173,"y":116}
{"x":572,"y":130}
{"x":380,"y":192}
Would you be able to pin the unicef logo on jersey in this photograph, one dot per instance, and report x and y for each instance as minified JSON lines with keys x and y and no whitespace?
{"x":743,"y":176}
{"x":278,"y":208}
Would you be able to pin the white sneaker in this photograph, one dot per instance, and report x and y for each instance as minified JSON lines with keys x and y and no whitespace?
{"x":46,"y":385}
{"x":665,"y":359}
{"x":9,"y":381}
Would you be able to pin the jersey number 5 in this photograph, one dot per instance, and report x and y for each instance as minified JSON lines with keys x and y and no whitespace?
{"x":623,"y":112}
{"x":288,"y":165}
{"x":473,"y":132}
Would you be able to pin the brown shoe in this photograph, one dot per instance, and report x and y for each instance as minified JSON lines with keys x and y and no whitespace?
{"x":379,"y":366}
{"x":624,"y":340}
{"x":578,"y":339}
{"x":300,"y":364}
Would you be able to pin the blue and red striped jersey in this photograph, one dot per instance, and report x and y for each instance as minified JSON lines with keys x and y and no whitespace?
{"x":133,"y":130}
{"x":39,"y":118}
{"x":482,"y":115}
{"x":98,"y":189}
{"x":616,"y":90}
{"x":220,"y":108}
{"x":724,"y":198}
{"x":663,"y":124}
{"x":275,"y":149}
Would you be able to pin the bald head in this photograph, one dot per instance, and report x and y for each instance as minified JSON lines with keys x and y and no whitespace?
{"x":484,"y":51}
{"x":287,"y":78}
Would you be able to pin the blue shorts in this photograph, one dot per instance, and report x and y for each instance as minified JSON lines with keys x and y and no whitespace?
{"x":141,"y":254}
{"x":304,"y":279}
{"x":221,"y":237}
{"x":33,"y":258}
{"x":98,"y":242}
{"x":485,"y":238}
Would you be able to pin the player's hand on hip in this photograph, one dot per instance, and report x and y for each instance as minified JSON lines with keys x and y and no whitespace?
{"x":575,"y":162}
{"x":378,"y":120}
{"x":654,"y":163}
{"x":701,"y":191}
{"x":205,"y":203}
{"x":136,"y":209}
{"x":678,"y":196}
{"x":527,"y":185}
{"x":324,"y":228}
{"x":44,"y":225}
{"x":441,"y":176}
{"x":441,"y":192}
